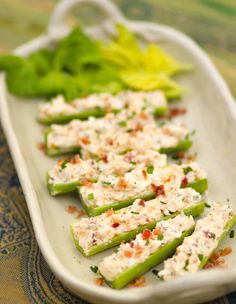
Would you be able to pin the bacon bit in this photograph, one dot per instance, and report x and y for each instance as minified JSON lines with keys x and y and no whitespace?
{"x":109,"y":212}
{"x":184,"y":181}
{"x":99,"y":281}
{"x":146,"y":234}
{"x":115,"y":225}
{"x":110,"y":141}
{"x":138,"y":282}
{"x":216,"y":260}
{"x":173,"y":112}
{"x":80,"y":213}
{"x":85,"y":140}
{"x":181,"y":155}
{"x":159,"y":190}
{"x":132,"y":244}
{"x":144,"y":174}
{"x":143,"y":115}
{"x":122,"y":183}
{"x":138,"y":249}
{"x":208,"y":265}
{"x":41,"y":147}
{"x":86,"y":182}
{"x":142,"y":203}
{"x":75,"y":160}
{"x":104,"y":159}
{"x":157,"y":231}
{"x":128,"y":254}
{"x":191,"y":157}
{"x":225,"y":251}
{"x":138,"y":127}
{"x":71,"y":209}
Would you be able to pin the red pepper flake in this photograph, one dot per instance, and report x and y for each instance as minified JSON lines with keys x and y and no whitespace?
{"x":159,"y":190}
{"x":99,"y":281}
{"x":144,"y":174}
{"x":138,"y":282}
{"x":110,"y":141}
{"x":142,"y":203}
{"x":104,"y":159}
{"x":173,"y":112}
{"x":85,"y":140}
{"x":71,"y":209}
{"x":146,"y":234}
{"x":132,"y":244}
{"x":41,"y":147}
{"x":184,"y":181}
{"x":115,"y":225}
{"x":122,"y":183}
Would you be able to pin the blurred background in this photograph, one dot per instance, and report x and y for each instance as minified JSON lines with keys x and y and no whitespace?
{"x":211,"y":23}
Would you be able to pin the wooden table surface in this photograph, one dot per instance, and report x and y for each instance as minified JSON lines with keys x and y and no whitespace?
{"x":25,"y":277}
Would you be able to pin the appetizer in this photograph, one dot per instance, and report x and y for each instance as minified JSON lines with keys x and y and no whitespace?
{"x":196,"y":249}
{"x":95,"y":234}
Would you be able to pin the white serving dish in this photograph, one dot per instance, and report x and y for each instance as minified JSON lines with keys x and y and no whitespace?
{"x":211,"y":110}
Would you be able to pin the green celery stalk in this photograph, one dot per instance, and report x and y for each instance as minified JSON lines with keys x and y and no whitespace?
{"x":199,"y":185}
{"x":83,"y":115}
{"x":58,"y":151}
{"x":227,"y":228}
{"x":194,"y":210}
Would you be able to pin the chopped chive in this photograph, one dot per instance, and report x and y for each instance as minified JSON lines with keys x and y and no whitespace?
{"x":150,"y":169}
{"x":134,"y":212}
{"x":186,"y":265}
{"x":147,"y":242}
{"x":116,"y":111}
{"x":164,"y":203}
{"x":90,"y":196}
{"x":207,"y":205}
{"x":231,"y":235}
{"x":133,"y":163}
{"x":212,"y":235}
{"x":155,"y":272}
{"x":200,"y":256}
{"x":122,"y":123}
{"x":160,"y":237}
{"x":64,"y":163}
{"x":129,"y":130}
{"x":106,"y":183}
{"x":94,"y":268}
{"x":187,"y":170}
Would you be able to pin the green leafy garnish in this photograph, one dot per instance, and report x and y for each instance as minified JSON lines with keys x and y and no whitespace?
{"x":90,"y":196}
{"x":150,"y":169}
{"x":187,"y":170}
{"x":160,"y":237}
{"x":94,"y":268}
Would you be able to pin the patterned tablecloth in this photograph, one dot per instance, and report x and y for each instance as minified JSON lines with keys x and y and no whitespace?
{"x":24,"y":275}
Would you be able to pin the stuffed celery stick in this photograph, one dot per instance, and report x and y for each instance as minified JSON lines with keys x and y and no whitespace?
{"x":116,"y":133}
{"x":66,"y":175}
{"x":97,"y":105}
{"x":145,"y":182}
{"x":147,"y":250}
{"x":95,"y":234}
{"x":195,"y":251}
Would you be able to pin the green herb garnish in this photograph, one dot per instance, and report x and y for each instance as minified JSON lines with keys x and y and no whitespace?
{"x":160,"y":237}
{"x":90,"y":196}
{"x":134,"y":212}
{"x":187,"y":170}
{"x":207,"y":205}
{"x":231,"y":235}
{"x":150,"y":169}
{"x":94,"y":268}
